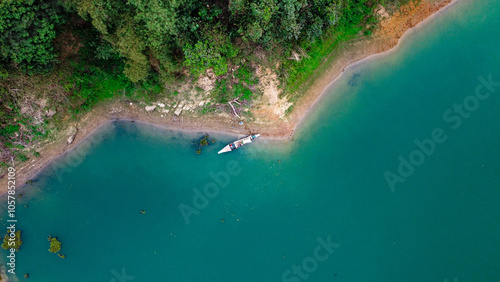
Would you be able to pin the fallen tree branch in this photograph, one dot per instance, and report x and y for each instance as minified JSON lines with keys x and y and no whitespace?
{"x":234,"y":110}
{"x":235,"y":100}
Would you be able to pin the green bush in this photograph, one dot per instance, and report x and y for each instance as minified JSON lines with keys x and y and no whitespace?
{"x":91,"y":84}
{"x":245,"y":74}
{"x":9,"y":130}
{"x":242,"y":91}
{"x":220,"y":91}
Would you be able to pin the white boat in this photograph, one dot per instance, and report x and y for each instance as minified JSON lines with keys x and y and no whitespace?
{"x":238,"y":143}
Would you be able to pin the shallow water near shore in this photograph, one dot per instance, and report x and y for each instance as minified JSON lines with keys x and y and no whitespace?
{"x":320,"y":202}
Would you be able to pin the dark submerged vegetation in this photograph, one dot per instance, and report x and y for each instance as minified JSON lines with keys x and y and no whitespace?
{"x":202,"y":142}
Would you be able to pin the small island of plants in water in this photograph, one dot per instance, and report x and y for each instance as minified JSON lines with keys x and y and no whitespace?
{"x":55,"y":246}
{"x":13,"y":242}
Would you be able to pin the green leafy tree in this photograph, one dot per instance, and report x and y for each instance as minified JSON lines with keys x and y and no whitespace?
{"x":132,"y":48}
{"x":255,"y":19}
{"x":166,"y":35}
{"x":98,"y":11}
{"x":27,"y":29}
{"x":156,"y":24}
{"x":202,"y":56}
{"x":116,"y":22}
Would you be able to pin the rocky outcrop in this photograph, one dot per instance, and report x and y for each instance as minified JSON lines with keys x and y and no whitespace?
{"x":73,"y":131}
{"x":382,"y":13}
{"x":50,"y":113}
{"x":150,"y":108}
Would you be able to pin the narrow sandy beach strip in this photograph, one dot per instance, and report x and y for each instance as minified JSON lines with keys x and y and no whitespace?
{"x":358,"y":51}
{"x":338,"y":72}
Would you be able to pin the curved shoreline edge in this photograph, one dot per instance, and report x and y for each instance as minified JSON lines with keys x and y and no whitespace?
{"x":278,"y":130}
{"x":368,"y":57}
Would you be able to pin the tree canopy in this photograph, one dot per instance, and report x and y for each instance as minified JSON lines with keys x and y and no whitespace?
{"x":168,"y":35}
{"x":27,"y":29}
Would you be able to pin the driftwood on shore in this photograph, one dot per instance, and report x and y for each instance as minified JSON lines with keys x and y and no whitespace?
{"x":232,"y":107}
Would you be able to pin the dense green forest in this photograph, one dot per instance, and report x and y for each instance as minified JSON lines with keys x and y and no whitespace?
{"x":162,"y":37}
{"x":95,"y":49}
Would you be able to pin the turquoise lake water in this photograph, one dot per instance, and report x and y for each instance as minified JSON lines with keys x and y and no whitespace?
{"x":318,"y":208}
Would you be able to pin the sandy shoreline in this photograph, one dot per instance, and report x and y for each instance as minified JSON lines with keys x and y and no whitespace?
{"x":442,"y":6}
{"x":384,"y":42}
